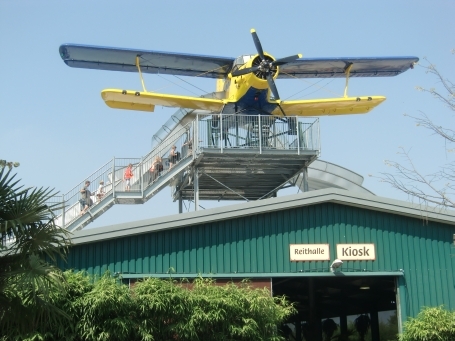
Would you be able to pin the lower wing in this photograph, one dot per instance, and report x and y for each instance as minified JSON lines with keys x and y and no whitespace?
{"x":329,"y":106}
{"x":146,"y":101}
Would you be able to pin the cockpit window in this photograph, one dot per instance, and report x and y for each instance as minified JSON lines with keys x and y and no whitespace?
{"x":243,"y":59}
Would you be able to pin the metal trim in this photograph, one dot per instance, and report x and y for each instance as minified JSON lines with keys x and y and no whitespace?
{"x":265,"y":275}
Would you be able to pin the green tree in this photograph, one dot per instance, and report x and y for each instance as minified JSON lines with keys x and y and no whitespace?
{"x":157,"y":309}
{"x":164,"y":307}
{"x":76,"y":286}
{"x":106,"y":312}
{"x":30,"y":243}
{"x":431,"y":324}
{"x":168,"y":310}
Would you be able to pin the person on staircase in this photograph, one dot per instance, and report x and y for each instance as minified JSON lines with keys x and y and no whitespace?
{"x":100,"y":191}
{"x":85,"y":199}
{"x":127,"y":177}
{"x":156,"y":169}
{"x":187,"y":148}
{"x":174,"y":156}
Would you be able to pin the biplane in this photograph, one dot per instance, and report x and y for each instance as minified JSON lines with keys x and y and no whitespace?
{"x":244,"y":85}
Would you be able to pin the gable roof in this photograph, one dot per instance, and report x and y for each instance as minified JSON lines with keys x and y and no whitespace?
{"x":329,"y":195}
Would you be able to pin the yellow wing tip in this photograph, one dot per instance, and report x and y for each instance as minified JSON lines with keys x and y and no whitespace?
{"x":130,"y":106}
{"x":252,"y":30}
{"x":331,"y":106}
{"x":106,"y":91}
{"x":300,"y":55}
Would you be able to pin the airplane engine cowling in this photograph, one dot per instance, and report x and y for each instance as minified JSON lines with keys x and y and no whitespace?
{"x":265,"y":67}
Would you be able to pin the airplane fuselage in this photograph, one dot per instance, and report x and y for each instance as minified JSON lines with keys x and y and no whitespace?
{"x":249,"y":93}
{"x":253,"y":102}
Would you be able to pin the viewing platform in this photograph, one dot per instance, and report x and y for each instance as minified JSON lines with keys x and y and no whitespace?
{"x":218,"y":157}
{"x":247,"y":157}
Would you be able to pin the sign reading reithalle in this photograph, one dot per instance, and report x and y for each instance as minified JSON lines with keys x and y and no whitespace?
{"x":356,"y":252}
{"x":309,"y":252}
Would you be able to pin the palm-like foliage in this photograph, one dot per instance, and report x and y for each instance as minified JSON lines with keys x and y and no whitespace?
{"x":29,"y":241}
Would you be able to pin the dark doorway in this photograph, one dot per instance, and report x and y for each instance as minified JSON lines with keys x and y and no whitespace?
{"x":340,"y":298}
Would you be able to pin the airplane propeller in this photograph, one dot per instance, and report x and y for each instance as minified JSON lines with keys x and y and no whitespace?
{"x":265,"y":67}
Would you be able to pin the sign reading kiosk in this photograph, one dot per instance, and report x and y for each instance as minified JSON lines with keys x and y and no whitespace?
{"x":309,"y":252}
{"x":356,"y":252}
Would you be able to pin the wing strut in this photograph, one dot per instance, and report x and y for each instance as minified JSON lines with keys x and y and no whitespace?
{"x":347,"y":71}
{"x":279,"y":106}
{"x":222,"y":109}
{"x":140,"y":73}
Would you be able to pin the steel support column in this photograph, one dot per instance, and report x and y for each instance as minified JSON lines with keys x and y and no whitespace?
{"x":196,"y":189}
{"x":305,"y":179}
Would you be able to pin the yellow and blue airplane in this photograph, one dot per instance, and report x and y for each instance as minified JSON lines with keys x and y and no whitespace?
{"x":244,"y":85}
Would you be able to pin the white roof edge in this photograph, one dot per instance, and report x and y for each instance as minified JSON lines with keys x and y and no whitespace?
{"x":333,"y":195}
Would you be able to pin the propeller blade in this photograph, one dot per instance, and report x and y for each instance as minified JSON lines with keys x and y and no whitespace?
{"x":285,"y":60}
{"x":257,"y":43}
{"x":244,"y":71}
{"x":272,"y":86}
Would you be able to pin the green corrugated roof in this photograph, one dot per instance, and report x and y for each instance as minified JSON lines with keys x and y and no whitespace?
{"x":331,"y":195}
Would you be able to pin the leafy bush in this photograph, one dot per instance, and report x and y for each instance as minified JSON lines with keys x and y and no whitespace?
{"x":107,"y":312}
{"x":157,"y":309}
{"x":431,"y":324}
{"x":169,"y":310}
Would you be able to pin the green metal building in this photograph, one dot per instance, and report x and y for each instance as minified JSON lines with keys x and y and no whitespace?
{"x":394,"y":256}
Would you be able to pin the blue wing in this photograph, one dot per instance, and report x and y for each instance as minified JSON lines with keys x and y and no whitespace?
{"x":335,"y":67}
{"x":117,"y":59}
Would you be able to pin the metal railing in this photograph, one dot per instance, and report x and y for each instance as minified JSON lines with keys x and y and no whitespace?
{"x":108,"y":181}
{"x":215,"y":132}
{"x":263,"y":132}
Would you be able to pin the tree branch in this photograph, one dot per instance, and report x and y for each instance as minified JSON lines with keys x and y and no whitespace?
{"x":437,"y":188}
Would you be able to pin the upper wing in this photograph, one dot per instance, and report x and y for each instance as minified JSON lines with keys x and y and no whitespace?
{"x":117,"y":59}
{"x":330,"y":106}
{"x":335,"y":67}
{"x":146,"y":101}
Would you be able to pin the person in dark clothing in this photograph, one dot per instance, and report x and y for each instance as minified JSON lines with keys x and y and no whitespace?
{"x":173,"y":156}
{"x":85,"y":199}
{"x":156,"y":169}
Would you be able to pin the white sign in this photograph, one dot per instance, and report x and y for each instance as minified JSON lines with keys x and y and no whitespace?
{"x":356,"y":252}
{"x":309,"y":252}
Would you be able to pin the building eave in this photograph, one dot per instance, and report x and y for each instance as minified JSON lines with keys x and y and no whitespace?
{"x":329,"y":195}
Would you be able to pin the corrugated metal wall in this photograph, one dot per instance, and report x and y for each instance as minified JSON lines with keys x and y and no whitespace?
{"x":260,"y":244}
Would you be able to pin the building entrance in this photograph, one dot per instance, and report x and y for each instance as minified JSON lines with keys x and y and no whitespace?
{"x":338,"y":307}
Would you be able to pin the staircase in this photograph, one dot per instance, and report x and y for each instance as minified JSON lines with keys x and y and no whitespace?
{"x":141,"y":188}
{"x":215,"y":139}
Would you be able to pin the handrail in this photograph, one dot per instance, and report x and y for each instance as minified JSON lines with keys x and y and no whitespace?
{"x":88,"y":177}
{"x":111,"y":173}
{"x":208,"y":130}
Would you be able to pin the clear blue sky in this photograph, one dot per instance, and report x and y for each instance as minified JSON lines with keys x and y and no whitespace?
{"x":54,"y":122}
